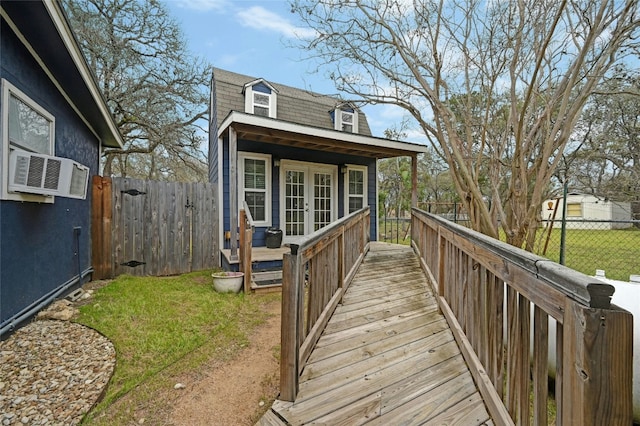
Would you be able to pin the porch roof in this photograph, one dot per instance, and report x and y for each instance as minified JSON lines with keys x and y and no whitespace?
{"x":273,"y":131}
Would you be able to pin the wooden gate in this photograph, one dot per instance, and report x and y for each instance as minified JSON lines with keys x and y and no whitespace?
{"x":154,"y":228}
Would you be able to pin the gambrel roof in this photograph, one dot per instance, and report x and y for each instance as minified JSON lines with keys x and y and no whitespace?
{"x":294,"y":105}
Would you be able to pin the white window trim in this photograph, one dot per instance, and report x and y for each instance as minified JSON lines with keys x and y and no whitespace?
{"x":337,"y":114}
{"x":268,"y":207}
{"x":10,"y":89}
{"x":364,"y":170}
{"x":249,"y":101}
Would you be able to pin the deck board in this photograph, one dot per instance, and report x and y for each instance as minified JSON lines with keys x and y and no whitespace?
{"x":387,"y":355}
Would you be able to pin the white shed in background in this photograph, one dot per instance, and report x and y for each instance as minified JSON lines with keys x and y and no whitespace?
{"x":585,"y":207}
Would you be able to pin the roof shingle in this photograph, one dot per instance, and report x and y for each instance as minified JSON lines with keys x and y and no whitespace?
{"x":294,"y":105}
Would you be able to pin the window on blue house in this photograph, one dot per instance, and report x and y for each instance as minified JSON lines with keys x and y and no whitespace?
{"x":345,"y":119}
{"x":255,"y":186}
{"x":27,"y":126}
{"x":261,"y":104}
{"x":356,"y":188}
{"x":260,"y":99}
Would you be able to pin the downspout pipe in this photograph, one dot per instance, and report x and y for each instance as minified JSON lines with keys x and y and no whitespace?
{"x":34,"y":308}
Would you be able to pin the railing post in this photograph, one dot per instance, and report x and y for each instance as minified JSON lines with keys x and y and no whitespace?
{"x":292,"y":312}
{"x":233,"y":191}
{"x":246,"y":241}
{"x":597,"y":366}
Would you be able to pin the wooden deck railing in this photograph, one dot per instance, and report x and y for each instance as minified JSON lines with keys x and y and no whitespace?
{"x":315,"y":275}
{"x":487,"y":290}
{"x":246,"y":242}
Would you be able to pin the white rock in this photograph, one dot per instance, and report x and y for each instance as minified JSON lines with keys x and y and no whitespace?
{"x":179,"y":386}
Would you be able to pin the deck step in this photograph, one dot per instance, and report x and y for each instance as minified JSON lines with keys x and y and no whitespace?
{"x":267,"y":278}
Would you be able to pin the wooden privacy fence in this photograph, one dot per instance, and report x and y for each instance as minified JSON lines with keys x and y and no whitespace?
{"x":142,"y":227}
{"x":487,"y":290}
{"x":326,"y":262}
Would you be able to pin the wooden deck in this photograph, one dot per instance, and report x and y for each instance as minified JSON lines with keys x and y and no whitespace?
{"x":386,"y":356}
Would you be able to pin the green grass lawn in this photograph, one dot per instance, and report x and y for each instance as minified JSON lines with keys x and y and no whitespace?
{"x":616,"y":251}
{"x":397,"y":232}
{"x":159,"y":323}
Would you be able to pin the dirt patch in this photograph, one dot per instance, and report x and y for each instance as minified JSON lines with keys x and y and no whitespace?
{"x":236,"y":392}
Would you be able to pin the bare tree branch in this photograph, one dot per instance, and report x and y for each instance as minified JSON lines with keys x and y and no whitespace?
{"x":497,"y":87}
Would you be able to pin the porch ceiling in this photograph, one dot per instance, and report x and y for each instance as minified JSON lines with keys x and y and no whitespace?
{"x":277,"y":132}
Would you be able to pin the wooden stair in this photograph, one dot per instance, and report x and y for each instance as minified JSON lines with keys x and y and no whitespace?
{"x":266,"y":281}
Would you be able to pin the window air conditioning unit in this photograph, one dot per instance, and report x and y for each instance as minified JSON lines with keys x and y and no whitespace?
{"x":47,"y":175}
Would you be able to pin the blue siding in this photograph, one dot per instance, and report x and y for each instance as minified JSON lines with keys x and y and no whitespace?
{"x":298,"y":154}
{"x":38,"y":252}
{"x":225,"y":190}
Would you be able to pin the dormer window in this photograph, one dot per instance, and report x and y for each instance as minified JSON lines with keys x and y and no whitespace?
{"x":345,"y":119}
{"x":260,"y":98}
{"x":261,"y":103}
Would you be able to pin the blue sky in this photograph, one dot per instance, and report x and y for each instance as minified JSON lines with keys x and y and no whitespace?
{"x":252,"y":37}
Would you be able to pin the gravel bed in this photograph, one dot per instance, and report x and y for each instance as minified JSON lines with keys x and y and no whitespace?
{"x":52,"y":373}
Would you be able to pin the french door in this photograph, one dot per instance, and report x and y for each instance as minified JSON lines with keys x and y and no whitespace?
{"x":308,"y":197}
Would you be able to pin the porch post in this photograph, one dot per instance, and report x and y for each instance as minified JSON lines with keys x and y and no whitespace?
{"x":414,"y":180}
{"x":233,"y":192}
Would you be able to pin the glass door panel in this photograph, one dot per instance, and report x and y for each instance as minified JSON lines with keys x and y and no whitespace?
{"x":295,"y":203}
{"x":322,"y":191}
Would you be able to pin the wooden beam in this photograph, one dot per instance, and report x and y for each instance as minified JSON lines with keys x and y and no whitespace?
{"x":414,"y":180}
{"x":233,"y":191}
{"x":280,"y":137}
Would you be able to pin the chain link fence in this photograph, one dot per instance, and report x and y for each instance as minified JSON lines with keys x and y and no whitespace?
{"x":590,"y":245}
{"x":612,"y":246}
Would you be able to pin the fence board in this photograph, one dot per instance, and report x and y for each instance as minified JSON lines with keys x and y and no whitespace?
{"x":101,"y":215}
{"x":170,"y":227}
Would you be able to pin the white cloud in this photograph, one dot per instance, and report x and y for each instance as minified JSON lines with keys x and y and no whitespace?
{"x":203,"y":5}
{"x":262,"y":19}
{"x":228,"y":61}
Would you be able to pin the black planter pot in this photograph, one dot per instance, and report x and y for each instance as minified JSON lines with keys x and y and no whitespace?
{"x":273,"y":237}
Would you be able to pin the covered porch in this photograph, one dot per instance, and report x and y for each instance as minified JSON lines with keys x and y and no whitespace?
{"x":295,"y":178}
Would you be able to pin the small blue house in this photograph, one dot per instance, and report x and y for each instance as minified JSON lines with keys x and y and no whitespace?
{"x":54,"y":123}
{"x":300,"y":160}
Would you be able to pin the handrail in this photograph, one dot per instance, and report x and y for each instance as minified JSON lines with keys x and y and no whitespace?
{"x":247,"y":212}
{"x":324,"y":263}
{"x":499,"y":300}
